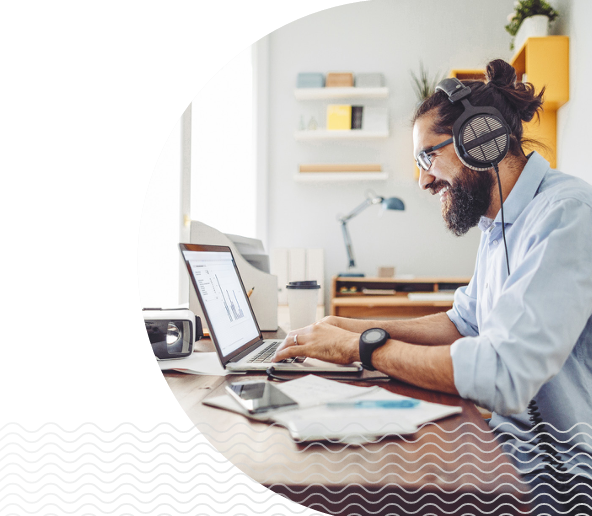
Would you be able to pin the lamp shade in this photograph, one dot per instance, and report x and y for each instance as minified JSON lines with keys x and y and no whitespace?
{"x":393,"y":203}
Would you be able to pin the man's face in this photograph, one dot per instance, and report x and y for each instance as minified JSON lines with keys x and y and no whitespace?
{"x":465,"y":194}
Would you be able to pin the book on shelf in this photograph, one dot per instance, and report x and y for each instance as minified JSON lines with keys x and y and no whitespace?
{"x":357,"y":112}
{"x":339,"y":80}
{"x":339,"y":117}
{"x":339,"y":167}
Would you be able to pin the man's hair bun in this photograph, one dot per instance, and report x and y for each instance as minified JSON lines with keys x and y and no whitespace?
{"x":520,"y":96}
{"x":500,"y":73}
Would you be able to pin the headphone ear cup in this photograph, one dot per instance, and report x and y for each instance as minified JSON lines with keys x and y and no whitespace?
{"x":482,"y":141}
{"x":461,"y":156}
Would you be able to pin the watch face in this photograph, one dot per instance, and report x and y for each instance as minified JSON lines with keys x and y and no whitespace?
{"x":372,"y":336}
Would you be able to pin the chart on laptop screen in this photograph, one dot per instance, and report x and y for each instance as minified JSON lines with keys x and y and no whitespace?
{"x":224,"y":299}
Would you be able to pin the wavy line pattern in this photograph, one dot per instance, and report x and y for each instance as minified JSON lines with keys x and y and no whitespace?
{"x":124,"y":470}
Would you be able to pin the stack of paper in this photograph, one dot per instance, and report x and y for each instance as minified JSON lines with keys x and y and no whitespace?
{"x":315,"y":420}
{"x":197,"y":363}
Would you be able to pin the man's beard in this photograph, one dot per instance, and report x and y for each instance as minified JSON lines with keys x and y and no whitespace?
{"x":467,"y":200}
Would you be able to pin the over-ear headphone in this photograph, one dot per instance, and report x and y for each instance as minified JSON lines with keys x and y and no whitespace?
{"x":480,"y":135}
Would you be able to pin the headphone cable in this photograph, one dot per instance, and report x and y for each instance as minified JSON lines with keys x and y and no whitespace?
{"x":499,"y":184}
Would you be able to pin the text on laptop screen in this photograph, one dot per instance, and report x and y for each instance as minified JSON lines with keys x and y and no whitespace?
{"x":224,"y":299}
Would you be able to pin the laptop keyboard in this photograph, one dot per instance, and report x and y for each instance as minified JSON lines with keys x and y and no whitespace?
{"x":266,"y":354}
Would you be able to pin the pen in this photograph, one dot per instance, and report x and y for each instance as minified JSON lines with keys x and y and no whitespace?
{"x":375,"y":404}
{"x":250,"y":292}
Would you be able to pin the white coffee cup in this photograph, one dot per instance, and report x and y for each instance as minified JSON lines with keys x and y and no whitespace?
{"x":302,"y":299}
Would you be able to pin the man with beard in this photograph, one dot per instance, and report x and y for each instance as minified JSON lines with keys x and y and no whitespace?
{"x":522,"y":329}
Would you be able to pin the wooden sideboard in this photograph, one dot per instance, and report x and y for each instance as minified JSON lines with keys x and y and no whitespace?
{"x":368,"y":297}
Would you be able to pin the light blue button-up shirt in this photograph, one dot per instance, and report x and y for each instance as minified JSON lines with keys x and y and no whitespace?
{"x":529,"y":335}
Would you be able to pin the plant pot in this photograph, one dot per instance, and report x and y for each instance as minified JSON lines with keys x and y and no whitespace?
{"x":533,"y":26}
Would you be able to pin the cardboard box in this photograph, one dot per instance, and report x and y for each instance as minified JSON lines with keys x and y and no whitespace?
{"x":340,"y":80}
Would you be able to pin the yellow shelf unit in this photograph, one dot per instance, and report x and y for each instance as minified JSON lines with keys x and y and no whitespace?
{"x":467,"y":75}
{"x":544,"y":61}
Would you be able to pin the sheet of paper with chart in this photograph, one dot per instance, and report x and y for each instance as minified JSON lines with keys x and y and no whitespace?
{"x":225,"y":299}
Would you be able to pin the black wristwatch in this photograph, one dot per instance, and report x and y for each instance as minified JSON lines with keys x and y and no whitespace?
{"x":370,"y":341}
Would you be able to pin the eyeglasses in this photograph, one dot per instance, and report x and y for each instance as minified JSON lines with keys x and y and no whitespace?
{"x":423,"y":159}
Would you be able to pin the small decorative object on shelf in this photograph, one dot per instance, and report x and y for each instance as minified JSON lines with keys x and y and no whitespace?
{"x":530,"y":18}
{"x":340,"y":80}
{"x":301,"y":124}
{"x":386,"y":272}
{"x":310,"y":80}
{"x":312,"y":124}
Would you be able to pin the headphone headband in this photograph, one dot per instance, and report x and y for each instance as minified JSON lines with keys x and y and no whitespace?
{"x":454,"y":89}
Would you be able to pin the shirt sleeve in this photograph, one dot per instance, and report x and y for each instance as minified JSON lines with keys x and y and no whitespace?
{"x":538,"y":317}
{"x":464,"y":310}
{"x":463,"y":313}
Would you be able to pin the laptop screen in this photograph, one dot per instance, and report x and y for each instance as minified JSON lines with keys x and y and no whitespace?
{"x":222,"y":297}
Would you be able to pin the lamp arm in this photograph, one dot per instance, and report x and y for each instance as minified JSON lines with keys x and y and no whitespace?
{"x":348,"y":245}
{"x":360,"y":208}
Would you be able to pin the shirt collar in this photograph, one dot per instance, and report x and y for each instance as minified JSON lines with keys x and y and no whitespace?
{"x":523,"y":192}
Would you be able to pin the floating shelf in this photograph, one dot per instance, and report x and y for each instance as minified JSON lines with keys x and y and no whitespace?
{"x":312,"y":177}
{"x":354,"y":134}
{"x":340,"y":93}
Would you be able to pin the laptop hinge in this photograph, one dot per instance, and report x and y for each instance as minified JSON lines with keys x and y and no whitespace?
{"x":250,"y":349}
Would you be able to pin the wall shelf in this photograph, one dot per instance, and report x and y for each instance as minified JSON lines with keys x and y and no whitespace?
{"x":355,"y":134}
{"x":544,"y":61}
{"x":349,"y":300}
{"x":314,"y":177}
{"x":340,"y":93}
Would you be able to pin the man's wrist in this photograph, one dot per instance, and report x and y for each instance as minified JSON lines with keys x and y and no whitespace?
{"x":355,"y":348}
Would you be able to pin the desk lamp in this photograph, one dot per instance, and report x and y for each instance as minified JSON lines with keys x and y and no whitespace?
{"x":392,"y":203}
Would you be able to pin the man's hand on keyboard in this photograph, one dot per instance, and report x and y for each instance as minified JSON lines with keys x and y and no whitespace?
{"x":323,"y":341}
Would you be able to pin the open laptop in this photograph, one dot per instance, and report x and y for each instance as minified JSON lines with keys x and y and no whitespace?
{"x":231,"y":321}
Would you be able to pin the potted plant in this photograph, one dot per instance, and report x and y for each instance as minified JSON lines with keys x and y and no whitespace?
{"x":530,"y":18}
{"x":423,"y":85}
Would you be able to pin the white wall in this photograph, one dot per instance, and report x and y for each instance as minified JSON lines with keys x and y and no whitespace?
{"x":573,"y":119}
{"x":158,"y":252}
{"x":378,"y":36}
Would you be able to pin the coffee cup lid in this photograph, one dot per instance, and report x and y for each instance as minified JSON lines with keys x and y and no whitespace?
{"x":303,"y":284}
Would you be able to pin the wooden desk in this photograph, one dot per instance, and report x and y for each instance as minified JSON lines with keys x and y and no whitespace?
{"x":454,"y":467}
{"x":348,"y":298}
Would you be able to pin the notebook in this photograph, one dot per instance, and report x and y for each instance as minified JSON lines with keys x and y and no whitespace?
{"x":233,"y":327}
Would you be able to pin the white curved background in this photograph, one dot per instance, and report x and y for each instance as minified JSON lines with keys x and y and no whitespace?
{"x":90,"y":95}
